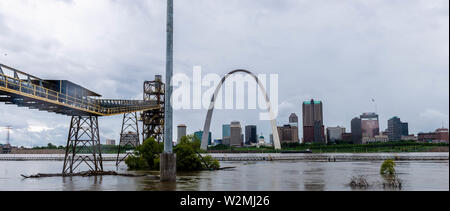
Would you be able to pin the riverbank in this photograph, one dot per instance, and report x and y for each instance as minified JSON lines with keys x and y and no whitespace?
{"x":388,"y":147}
{"x":327,"y":157}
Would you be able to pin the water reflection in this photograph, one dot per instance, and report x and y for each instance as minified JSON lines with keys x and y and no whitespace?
{"x":314,"y":178}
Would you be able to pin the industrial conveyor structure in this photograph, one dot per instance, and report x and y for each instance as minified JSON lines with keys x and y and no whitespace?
{"x":84,"y":106}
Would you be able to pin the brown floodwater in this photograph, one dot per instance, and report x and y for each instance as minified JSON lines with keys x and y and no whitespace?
{"x":246,"y":176}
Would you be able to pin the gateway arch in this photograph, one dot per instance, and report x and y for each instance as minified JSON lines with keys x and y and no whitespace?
{"x":206,"y":129}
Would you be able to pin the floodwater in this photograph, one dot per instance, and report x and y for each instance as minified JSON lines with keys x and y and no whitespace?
{"x":246,"y":176}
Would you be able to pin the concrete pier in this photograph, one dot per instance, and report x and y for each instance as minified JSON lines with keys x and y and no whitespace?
{"x":168,"y":166}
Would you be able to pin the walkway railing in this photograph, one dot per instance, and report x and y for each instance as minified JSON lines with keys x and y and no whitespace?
{"x":13,"y":86}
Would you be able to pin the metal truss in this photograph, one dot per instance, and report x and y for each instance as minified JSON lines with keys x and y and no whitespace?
{"x":129,"y":135}
{"x":83,"y":145}
{"x":25,"y":90}
{"x":153,"y":120}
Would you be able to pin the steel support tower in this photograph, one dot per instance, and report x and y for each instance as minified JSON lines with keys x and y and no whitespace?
{"x":129,"y":136}
{"x":83,"y":145}
{"x":153,"y":120}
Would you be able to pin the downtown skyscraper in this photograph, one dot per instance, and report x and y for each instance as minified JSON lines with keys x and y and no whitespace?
{"x":313,"y":128}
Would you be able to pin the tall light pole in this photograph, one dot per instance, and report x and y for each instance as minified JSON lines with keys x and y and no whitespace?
{"x":168,"y":169}
{"x":168,"y":117}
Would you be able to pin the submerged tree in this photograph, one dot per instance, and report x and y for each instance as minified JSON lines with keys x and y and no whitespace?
{"x":388,"y":168}
{"x":389,"y":175}
{"x":189,"y":157}
{"x":146,"y":156}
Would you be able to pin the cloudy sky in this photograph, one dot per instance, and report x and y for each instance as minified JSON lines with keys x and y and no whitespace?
{"x":344,"y":53}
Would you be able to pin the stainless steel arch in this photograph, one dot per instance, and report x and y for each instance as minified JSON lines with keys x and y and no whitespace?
{"x":206,"y":129}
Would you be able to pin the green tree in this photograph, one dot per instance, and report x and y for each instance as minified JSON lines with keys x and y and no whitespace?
{"x":146,"y":156}
{"x":51,"y":146}
{"x":388,"y":168}
{"x":187,"y":158}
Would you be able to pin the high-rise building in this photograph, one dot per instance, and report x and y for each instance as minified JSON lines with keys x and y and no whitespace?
{"x":335,"y":134}
{"x":313,"y":129}
{"x":356,"y":131}
{"x":199,"y":135}
{"x":181,"y":132}
{"x":397,"y":129}
{"x":405,"y":129}
{"x":370,"y":125}
{"x":226,"y":131}
{"x":251,"y":136}
{"x":226,"y":135}
{"x":236,"y":135}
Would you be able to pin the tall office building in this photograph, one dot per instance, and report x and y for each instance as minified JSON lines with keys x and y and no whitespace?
{"x":356,"y":131}
{"x":370,"y":125}
{"x":236,"y":135}
{"x":181,"y":132}
{"x":313,"y":129}
{"x":405,"y":129}
{"x":226,"y":131}
{"x":226,"y":135}
{"x":251,"y":136}
{"x":397,"y":129}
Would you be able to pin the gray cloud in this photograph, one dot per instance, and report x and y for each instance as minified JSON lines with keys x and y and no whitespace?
{"x":342,"y":52}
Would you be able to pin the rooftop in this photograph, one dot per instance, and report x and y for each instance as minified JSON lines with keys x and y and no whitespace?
{"x":309,"y":102}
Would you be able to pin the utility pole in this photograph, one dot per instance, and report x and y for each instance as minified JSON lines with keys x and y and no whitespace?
{"x":168,"y":159}
{"x":169,"y":72}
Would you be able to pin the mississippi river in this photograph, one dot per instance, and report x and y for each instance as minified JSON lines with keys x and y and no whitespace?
{"x":246,"y":176}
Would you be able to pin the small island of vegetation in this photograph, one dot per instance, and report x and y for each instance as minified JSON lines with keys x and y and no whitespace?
{"x":146,"y":156}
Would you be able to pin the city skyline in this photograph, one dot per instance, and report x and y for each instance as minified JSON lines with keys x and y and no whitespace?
{"x":306,"y":56}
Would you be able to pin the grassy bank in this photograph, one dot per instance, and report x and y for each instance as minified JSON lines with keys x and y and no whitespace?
{"x":400,"y":146}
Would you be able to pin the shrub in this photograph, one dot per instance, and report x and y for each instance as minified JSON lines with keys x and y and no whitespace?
{"x":146,"y":156}
{"x":359,"y":182}
{"x":188,"y":157}
{"x":388,"y":167}
{"x":136,"y":163}
{"x":212,"y":163}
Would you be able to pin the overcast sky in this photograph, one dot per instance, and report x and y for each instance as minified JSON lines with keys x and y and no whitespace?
{"x":344,"y":53}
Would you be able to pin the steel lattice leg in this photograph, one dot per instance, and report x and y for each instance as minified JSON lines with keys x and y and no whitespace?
{"x":129,"y":135}
{"x":83,"y":145}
